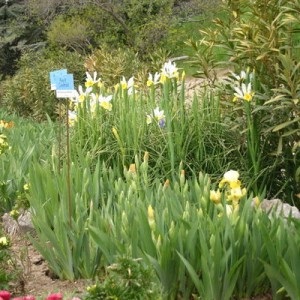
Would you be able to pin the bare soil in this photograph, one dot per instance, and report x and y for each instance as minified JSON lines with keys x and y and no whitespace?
{"x":34,"y":276}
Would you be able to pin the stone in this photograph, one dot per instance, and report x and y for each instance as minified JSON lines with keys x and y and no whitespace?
{"x":25,"y":223}
{"x":22,"y":226}
{"x":281,"y":209}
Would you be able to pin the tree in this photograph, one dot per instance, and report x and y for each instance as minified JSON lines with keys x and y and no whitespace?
{"x":17,"y":31}
{"x":135,"y":23}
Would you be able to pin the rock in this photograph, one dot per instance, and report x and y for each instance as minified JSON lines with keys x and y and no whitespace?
{"x":281,"y":209}
{"x":10,"y":225}
{"x":25,"y":223}
{"x":22,"y":226}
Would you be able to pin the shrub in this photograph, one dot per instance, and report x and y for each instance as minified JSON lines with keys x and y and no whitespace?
{"x":262,"y":36}
{"x":28,"y":93}
{"x":76,"y":33}
{"x":126,"y":279}
{"x":27,"y":142}
{"x":112,"y":64}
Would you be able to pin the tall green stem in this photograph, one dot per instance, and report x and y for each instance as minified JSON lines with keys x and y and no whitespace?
{"x":253,"y":148}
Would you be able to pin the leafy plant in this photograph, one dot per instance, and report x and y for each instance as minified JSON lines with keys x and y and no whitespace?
{"x":112,"y":64}
{"x":76,"y":36}
{"x":126,"y":279}
{"x":28,"y":93}
{"x":282,"y":268}
{"x":70,"y":252}
{"x":262,"y":36}
{"x":8,"y":267}
{"x":104,"y":122}
{"x":28,"y":142}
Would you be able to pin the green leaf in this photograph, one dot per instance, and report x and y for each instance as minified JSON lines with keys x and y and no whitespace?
{"x":194,"y":275}
{"x":285,"y":277}
{"x":285,"y":124}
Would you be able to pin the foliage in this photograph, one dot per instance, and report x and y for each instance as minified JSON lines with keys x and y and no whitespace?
{"x":139,"y":25}
{"x":8,"y":268}
{"x":18,"y":32}
{"x":112,"y":64}
{"x":263,"y":36}
{"x":28,"y":93}
{"x":71,"y":253}
{"x":4,"y":257}
{"x":28,"y":142}
{"x":126,"y":279}
{"x":283,"y":271}
{"x":110,"y":133}
{"x":121,"y":23}
{"x":9,"y":13}
{"x":174,"y":228}
{"x":76,"y":35}
{"x":120,"y":196}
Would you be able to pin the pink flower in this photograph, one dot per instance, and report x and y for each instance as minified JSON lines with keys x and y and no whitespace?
{"x":56,"y":296}
{"x":5,"y":295}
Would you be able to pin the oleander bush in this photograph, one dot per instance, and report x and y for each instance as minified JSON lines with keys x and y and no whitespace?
{"x":264,"y":37}
{"x":27,"y":93}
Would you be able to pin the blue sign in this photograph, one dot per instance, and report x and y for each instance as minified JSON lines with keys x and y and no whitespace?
{"x":65,"y":83}
{"x":55,"y":75}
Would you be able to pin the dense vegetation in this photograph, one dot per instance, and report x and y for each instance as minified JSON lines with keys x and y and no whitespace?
{"x":163,"y":183}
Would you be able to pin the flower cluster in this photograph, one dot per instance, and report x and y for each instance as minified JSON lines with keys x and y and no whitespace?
{"x":22,"y":202}
{"x":168,"y":71}
{"x":93,"y":92}
{"x":5,"y":124}
{"x":231,"y":187}
{"x":242,"y":85}
{"x":92,"y":81}
{"x":91,"y":95}
{"x":5,"y":295}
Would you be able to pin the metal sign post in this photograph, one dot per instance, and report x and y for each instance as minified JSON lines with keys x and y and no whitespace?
{"x":63,"y":84}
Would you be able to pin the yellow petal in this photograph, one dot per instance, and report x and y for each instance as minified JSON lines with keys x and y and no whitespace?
{"x":215,"y":196}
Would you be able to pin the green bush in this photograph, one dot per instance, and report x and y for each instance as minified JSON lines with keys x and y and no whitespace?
{"x":76,"y":35}
{"x":214,"y":250}
{"x":112,"y":64}
{"x":126,"y":279}
{"x":27,"y":142}
{"x":262,"y":36}
{"x":28,"y":93}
